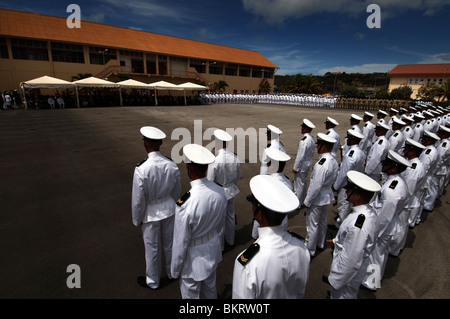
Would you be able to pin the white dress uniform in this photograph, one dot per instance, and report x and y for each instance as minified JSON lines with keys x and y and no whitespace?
{"x":226,"y":171}
{"x":275,"y":143}
{"x":353,"y":244}
{"x":277,"y":265}
{"x":368,"y":131}
{"x":389,"y":204}
{"x":156,"y":187}
{"x":333,"y":134}
{"x":303,"y":162}
{"x":354,"y":127}
{"x":377,"y":153}
{"x":199,"y":217}
{"x":353,"y":160}
{"x":444,"y":155}
{"x":430,"y":158}
{"x":318,"y":197}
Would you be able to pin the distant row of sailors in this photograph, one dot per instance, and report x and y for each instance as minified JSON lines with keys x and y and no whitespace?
{"x":309,"y":100}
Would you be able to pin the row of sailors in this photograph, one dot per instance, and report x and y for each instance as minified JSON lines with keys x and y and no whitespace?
{"x":286,"y":99}
{"x":411,"y":176}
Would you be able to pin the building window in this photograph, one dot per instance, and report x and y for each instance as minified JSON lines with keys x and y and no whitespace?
{"x":231,"y":69}
{"x":440,"y":81}
{"x":151,"y":63}
{"x":421,"y":81}
{"x":416,"y":81}
{"x":162,"y":64}
{"x":134,"y":54}
{"x":25,"y":49}
{"x":65,"y":52}
{"x":434,"y":81}
{"x":96,"y":55}
{"x":257,"y":72}
{"x":216,"y":68}
{"x":198,"y":65}
{"x":410,"y":81}
{"x":268,"y":74}
{"x":244,"y":70}
{"x":3,"y":49}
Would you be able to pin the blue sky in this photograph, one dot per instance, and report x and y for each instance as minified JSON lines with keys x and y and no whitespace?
{"x":300,"y":36}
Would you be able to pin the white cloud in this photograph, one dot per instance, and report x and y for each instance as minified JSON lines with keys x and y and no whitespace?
{"x":278,"y":11}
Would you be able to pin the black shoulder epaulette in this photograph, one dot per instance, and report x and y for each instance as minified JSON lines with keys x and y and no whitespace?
{"x":269,"y":145}
{"x":247,"y":255}
{"x":140,"y":163}
{"x":365,"y":125}
{"x":183,"y":199}
{"x":360,"y":221}
{"x":304,"y":138}
{"x":396,"y":134}
{"x":286,"y":176}
{"x":323,"y":160}
{"x":393,"y":184}
{"x":444,"y":144}
{"x":295,"y":235}
{"x":351,"y":153}
{"x":414,"y":165}
{"x":380,"y":142}
{"x":428,"y":151}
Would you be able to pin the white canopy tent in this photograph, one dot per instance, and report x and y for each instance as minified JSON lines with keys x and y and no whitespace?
{"x":45,"y":82}
{"x":95,"y":82}
{"x":163,"y":85}
{"x":190,"y":86}
{"x":133,"y":84}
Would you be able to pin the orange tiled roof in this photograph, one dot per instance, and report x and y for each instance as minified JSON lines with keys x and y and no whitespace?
{"x":38,"y":26}
{"x":435,"y":69}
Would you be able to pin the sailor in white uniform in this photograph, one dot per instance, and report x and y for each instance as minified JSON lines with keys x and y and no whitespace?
{"x":277,"y":265}
{"x":330,"y":125}
{"x":273,"y":139}
{"x":355,"y":239}
{"x":430,"y":158}
{"x":226,"y":171}
{"x":397,"y":139}
{"x":199,"y":218}
{"x":276,"y":164}
{"x":320,"y":193}
{"x":303,"y":161}
{"x":354,"y":122}
{"x":377,"y":152}
{"x":444,"y":157}
{"x":368,"y":131}
{"x":156,"y":187}
{"x":352,"y":160}
{"x":389,"y":204}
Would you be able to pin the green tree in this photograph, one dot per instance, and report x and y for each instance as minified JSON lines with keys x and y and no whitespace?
{"x":304,"y":84}
{"x":81,"y":76}
{"x":220,"y":86}
{"x":402,"y":93}
{"x":264,"y":87}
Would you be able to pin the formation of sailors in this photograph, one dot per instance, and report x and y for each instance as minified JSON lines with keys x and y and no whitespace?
{"x":390,"y":172}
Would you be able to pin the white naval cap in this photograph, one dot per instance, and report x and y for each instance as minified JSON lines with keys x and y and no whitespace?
{"x":273,"y":194}
{"x":382,"y":125}
{"x":326,"y":138}
{"x":418,"y":115}
{"x":393,"y":110}
{"x":276,"y":155}
{"x":368,"y":114}
{"x":444,"y":128}
{"x":414,"y":143}
{"x":355,"y":134}
{"x":394,"y":156}
{"x":198,"y":154}
{"x":407,"y":118}
{"x":383,"y":112}
{"x":363,"y":181}
{"x":431,"y":135}
{"x":356,"y":117}
{"x":332,"y":121}
{"x":152,"y":133}
{"x":222,"y":135}
{"x":274,"y":129}
{"x":308,"y":123}
{"x":398,"y":121}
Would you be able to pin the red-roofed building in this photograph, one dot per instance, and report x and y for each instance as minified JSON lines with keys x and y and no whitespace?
{"x":416,"y":75}
{"x":34,"y":45}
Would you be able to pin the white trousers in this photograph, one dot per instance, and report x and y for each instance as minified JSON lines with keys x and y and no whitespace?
{"x":300,"y":185}
{"x":157,"y":234}
{"x":316,"y":227}
{"x":205,"y":289}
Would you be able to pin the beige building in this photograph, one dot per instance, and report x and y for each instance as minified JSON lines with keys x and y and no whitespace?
{"x":33,"y":45}
{"x":416,"y":75}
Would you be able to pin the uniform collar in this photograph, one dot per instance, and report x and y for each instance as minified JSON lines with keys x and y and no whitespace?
{"x":270,"y":231}
{"x":154,"y":154}
{"x":199,"y":182}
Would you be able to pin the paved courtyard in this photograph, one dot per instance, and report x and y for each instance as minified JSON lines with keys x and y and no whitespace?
{"x":65,"y":197}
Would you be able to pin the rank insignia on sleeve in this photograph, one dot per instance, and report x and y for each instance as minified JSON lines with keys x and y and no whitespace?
{"x":247,"y":255}
{"x":360,"y":221}
{"x":322,"y":161}
{"x":351,"y":153}
{"x":183,"y":199}
{"x":393,"y":184}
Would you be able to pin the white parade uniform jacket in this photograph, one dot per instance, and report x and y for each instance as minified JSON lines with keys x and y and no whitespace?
{"x":226,"y":171}
{"x":353,"y":160}
{"x":305,"y":152}
{"x":323,"y":176}
{"x":275,"y":267}
{"x":156,"y":188}
{"x":264,"y":160}
{"x":199,"y":218}
{"x":332,"y":132}
{"x":368,"y":131}
{"x":377,"y":153}
{"x":418,"y":132}
{"x":397,"y":140}
{"x":353,"y":245}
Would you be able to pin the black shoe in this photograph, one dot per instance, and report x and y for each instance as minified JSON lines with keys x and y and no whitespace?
{"x":325,"y":280}
{"x":333,"y":227}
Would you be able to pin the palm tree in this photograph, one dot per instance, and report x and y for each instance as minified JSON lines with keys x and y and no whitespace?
{"x":220,"y":86}
{"x":264,"y":86}
{"x":304,"y":84}
{"x":444,"y":91}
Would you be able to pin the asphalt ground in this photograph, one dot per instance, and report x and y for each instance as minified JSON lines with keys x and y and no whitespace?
{"x":65,"y":197}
